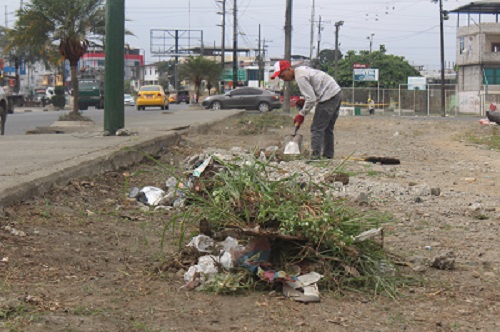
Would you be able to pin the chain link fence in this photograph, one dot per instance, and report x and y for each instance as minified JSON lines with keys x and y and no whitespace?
{"x":407,"y":102}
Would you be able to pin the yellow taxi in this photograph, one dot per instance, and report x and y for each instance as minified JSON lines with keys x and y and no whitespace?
{"x":152,"y":96}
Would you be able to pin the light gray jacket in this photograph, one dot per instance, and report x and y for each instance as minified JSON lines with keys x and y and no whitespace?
{"x":316,"y":86}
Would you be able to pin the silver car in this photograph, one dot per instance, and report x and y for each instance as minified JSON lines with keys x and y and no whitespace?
{"x":244,"y":97}
{"x":128,"y":100}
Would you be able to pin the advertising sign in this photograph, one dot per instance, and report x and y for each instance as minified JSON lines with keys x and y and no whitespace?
{"x":360,"y":65}
{"x":365,"y":75}
{"x":9,"y":70}
{"x":417,"y":83}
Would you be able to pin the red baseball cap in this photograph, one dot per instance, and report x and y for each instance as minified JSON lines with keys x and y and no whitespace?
{"x":279,"y":66}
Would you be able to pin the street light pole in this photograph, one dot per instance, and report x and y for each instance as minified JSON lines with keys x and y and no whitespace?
{"x":337,"y":27}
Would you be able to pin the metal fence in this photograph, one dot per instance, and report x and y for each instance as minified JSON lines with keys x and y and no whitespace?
{"x":406,"y":102}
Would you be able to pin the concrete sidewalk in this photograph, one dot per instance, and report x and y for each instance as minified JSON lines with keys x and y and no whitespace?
{"x":31,"y":164}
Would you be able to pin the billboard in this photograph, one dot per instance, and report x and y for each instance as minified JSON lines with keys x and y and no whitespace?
{"x":365,"y":74}
{"x":417,"y":83}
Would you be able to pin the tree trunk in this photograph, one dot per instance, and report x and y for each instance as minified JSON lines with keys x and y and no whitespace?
{"x":17,"y":85}
{"x":74,"y":85}
{"x":197,"y":93}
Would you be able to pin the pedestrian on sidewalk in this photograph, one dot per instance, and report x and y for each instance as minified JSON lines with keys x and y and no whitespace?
{"x":321,"y":90}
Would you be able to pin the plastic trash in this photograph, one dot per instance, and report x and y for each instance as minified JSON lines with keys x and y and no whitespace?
{"x":368,"y":234}
{"x":150,"y":195}
{"x":205,"y":268}
{"x":171,"y":182}
{"x":199,"y":170}
{"x":304,"y":289}
{"x":226,"y":260}
{"x":231,"y":244}
{"x":202,"y":243}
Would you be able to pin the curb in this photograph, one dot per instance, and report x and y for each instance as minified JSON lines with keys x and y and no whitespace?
{"x":124,"y":157}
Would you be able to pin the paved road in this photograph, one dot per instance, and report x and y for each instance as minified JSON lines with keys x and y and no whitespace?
{"x":31,"y":164}
{"x":28,"y":118}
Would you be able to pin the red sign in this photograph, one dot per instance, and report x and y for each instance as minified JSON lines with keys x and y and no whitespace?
{"x":360,"y":65}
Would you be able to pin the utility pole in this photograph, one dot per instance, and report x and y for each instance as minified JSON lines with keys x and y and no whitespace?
{"x":288,"y":52}
{"x":441,"y":18}
{"x":176,"y":63}
{"x":114,"y":114}
{"x":370,"y":37}
{"x":223,"y":38}
{"x":259,"y":61}
{"x":338,"y":24}
{"x":312,"y":33}
{"x":235,"y":44}
{"x":319,"y":39}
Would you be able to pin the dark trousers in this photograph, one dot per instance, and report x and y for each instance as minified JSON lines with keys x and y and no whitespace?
{"x":322,"y":134}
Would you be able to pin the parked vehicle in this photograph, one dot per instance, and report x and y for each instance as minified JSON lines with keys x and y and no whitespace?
{"x":182,"y":97}
{"x":152,"y":96}
{"x":128,"y":100}
{"x":244,"y":97}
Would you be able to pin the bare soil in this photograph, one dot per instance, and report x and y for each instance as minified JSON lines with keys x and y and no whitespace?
{"x":84,"y":258}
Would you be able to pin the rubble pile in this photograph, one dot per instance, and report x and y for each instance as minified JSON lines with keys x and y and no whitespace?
{"x":282,"y":222}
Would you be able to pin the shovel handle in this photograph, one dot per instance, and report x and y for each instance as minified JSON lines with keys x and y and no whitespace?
{"x":297,"y":126}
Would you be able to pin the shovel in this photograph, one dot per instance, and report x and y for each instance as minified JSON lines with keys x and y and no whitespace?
{"x":293,"y":143}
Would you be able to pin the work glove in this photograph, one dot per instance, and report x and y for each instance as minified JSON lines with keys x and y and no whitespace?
{"x":300,"y":103}
{"x":298,"y":120}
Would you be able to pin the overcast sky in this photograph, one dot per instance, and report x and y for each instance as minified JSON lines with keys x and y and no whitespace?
{"x":409,"y":28}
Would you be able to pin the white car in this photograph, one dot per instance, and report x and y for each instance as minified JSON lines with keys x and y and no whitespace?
{"x":128,"y":100}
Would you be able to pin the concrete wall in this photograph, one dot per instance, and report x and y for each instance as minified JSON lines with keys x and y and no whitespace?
{"x":477,"y":41}
{"x":470,"y":78}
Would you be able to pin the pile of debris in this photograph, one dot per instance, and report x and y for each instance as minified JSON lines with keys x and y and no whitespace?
{"x":286,"y":228}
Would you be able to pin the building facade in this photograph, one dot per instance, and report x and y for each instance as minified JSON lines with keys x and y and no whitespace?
{"x":478,"y":56}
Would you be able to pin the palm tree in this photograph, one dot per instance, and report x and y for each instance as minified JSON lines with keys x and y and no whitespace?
{"x":62,"y":22}
{"x":197,"y":69}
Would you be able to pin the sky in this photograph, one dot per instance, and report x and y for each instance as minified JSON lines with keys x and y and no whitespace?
{"x":408,"y":28}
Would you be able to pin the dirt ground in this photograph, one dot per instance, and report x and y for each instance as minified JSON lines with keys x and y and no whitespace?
{"x":84,"y":258}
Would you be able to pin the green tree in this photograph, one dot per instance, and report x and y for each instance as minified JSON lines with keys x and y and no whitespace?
{"x":197,"y":69}
{"x":326,"y":59}
{"x":393,"y":69}
{"x":64,"y":23}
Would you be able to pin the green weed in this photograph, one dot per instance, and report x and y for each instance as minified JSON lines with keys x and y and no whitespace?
{"x":490,"y":137}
